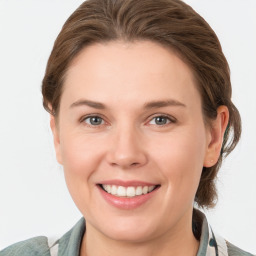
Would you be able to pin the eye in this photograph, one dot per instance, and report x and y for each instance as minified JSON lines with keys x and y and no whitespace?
{"x":93,"y":120}
{"x":160,"y":120}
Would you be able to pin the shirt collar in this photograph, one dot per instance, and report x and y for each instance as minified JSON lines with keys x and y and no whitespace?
{"x":208,"y":244}
{"x":70,"y":243}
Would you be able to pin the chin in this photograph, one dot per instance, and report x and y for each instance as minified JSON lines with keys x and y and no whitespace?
{"x":132,"y":230}
{"x":129,"y":235}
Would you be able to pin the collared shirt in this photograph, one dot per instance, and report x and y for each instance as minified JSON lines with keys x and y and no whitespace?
{"x":69,"y":244}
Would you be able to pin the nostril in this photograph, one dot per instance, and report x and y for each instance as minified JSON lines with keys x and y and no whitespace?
{"x":126,"y":158}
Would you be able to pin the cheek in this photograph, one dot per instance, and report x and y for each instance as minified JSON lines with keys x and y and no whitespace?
{"x":79,"y":153}
{"x":181,"y":158}
{"x":81,"y":157}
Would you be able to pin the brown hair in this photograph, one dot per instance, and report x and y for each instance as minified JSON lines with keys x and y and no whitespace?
{"x":171,"y":23}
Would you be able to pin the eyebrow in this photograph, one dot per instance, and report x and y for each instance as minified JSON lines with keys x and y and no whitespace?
{"x":89,"y":103}
{"x":163,"y":103}
{"x":147,"y":105}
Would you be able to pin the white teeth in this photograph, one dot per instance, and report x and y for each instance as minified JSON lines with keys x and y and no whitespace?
{"x":108,"y":188}
{"x":145,"y":190}
{"x":138,"y":191}
{"x":128,"y":191}
{"x":113,"y":190}
{"x":121,"y":191}
{"x":151,"y":188}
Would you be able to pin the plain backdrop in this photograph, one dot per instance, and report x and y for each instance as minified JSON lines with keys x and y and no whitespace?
{"x":33,"y":196}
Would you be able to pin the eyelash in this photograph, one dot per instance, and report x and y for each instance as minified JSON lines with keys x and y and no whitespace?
{"x":169,"y":119}
{"x":83,"y":119}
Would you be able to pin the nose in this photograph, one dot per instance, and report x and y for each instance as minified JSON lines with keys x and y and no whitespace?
{"x":126,"y":149}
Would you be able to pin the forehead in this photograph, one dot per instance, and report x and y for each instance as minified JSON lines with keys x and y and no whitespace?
{"x":143,"y":69}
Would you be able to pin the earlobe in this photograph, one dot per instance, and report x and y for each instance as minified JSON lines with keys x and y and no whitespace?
{"x":56,"y":139}
{"x":217,"y":131}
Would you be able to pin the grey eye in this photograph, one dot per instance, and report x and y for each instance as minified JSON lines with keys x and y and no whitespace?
{"x":94,"y":120}
{"x":160,"y":120}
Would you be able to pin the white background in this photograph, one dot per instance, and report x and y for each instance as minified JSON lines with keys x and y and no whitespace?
{"x":33,"y":196}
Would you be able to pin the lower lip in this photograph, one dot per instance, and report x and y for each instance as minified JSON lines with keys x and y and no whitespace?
{"x":127,"y":203}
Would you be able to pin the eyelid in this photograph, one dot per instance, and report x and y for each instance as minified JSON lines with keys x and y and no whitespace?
{"x":169,"y":117}
{"x":150,"y":118}
{"x":83,"y":118}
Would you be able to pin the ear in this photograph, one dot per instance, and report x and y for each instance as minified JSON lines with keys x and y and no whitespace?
{"x":215,"y":139}
{"x":56,"y":138}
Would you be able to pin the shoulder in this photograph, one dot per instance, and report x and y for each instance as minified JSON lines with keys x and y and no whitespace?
{"x":210,"y":242}
{"x":33,"y":246}
{"x":68,"y":244}
{"x":235,"y":251}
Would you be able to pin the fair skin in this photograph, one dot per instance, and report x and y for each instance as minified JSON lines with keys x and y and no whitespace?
{"x":131,"y":116}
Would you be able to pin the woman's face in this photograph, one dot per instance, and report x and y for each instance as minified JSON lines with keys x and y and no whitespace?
{"x":131,"y":121}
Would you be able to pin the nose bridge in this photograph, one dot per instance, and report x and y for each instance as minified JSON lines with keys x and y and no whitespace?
{"x":126,"y":149}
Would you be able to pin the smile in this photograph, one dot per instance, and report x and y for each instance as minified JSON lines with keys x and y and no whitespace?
{"x":129,"y":192}
{"x":127,"y":195}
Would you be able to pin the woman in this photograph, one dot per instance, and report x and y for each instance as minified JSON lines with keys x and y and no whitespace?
{"x":140,"y":100}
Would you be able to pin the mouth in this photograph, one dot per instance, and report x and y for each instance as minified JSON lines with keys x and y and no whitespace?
{"x":128,"y":195}
{"x":128,"y":192}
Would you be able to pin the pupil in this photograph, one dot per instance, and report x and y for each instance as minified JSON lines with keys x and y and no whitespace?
{"x":161,"y":120}
{"x":95,"y":120}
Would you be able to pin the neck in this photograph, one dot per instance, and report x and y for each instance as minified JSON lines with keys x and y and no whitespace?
{"x":179,"y":241}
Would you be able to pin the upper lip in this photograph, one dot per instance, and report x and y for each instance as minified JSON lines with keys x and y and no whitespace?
{"x":132,"y":183}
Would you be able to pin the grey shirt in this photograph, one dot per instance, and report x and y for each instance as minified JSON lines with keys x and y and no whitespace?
{"x":69,"y":244}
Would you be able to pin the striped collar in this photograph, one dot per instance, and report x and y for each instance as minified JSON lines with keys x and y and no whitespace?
{"x":210,"y":243}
